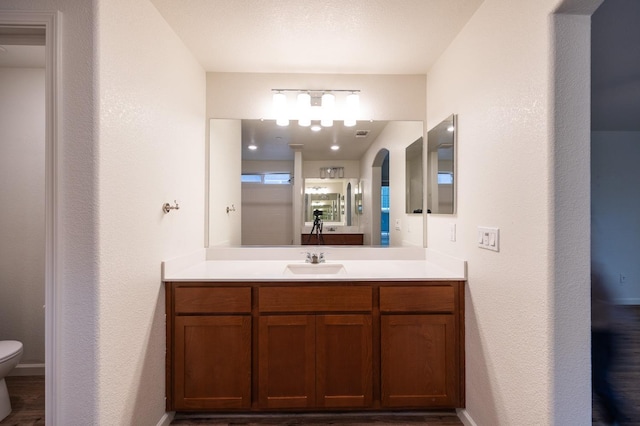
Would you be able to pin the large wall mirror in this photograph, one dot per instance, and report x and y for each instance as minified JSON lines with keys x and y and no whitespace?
{"x":441,"y":190}
{"x":279,"y":183}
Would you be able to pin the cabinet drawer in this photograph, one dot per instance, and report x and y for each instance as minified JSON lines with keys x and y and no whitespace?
{"x":312,"y":299}
{"x":212,"y":300}
{"x":417,"y":299}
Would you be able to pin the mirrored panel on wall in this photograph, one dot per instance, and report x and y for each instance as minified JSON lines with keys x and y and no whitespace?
{"x":414,"y":177}
{"x":441,"y":164}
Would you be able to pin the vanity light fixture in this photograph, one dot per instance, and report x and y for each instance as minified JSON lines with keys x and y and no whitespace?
{"x":316,"y":105}
{"x":331,"y":172}
{"x":335,"y":147}
{"x":316,"y":128}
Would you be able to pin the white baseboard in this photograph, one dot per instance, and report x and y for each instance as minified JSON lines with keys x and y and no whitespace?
{"x":464,"y":417}
{"x":28,"y":370}
{"x":166,"y":419}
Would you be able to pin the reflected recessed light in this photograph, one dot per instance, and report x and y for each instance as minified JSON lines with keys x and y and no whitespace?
{"x":450,"y":129}
{"x":253,"y":147}
{"x":316,"y":128}
{"x":335,"y":147}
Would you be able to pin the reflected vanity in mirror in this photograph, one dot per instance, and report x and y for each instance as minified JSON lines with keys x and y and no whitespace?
{"x":413,"y":169}
{"x":441,"y":190}
{"x":333,"y":199}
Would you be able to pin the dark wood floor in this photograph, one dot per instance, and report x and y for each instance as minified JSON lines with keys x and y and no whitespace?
{"x":27,"y":396}
{"x":27,"y":400}
{"x":626,"y":371}
{"x":386,"y":419}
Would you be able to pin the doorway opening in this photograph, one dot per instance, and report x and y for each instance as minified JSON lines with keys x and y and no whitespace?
{"x":26,"y":29}
{"x":615,"y":207}
{"x":378,"y":180}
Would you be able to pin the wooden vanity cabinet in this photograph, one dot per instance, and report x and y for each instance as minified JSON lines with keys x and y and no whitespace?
{"x":420,"y":338}
{"x":211,"y":348}
{"x":332,"y":239}
{"x":314,"y":350}
{"x":315,"y":346}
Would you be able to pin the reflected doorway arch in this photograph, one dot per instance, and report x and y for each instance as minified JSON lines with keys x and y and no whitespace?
{"x":380,"y":162}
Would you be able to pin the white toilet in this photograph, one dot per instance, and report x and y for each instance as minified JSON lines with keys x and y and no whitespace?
{"x":10,"y":353}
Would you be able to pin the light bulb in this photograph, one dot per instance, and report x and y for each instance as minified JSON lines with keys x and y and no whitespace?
{"x":328,"y":106}
{"x":352,"y":110}
{"x":280,"y":108}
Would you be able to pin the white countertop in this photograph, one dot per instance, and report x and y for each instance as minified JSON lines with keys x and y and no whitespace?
{"x":234,"y":264}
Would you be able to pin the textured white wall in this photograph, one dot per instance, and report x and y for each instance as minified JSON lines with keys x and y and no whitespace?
{"x":152,"y":151}
{"x":382,"y":97}
{"x":395,"y":137}
{"x":22,"y":245}
{"x":76,"y":289}
{"x":615,"y":208}
{"x":527,"y":357}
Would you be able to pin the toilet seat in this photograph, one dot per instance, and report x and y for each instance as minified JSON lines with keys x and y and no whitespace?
{"x":9,"y":349}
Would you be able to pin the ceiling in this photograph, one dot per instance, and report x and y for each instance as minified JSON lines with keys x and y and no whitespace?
{"x":311,"y":36}
{"x":615,"y":66}
{"x":21,"y":56}
{"x":274,"y":142}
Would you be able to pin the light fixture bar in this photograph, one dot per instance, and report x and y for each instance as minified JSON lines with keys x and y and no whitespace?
{"x":309,"y":108}
{"x":315,"y":90}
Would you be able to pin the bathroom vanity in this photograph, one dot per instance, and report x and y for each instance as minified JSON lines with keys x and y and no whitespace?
{"x":335,"y":338}
{"x":333,"y":239}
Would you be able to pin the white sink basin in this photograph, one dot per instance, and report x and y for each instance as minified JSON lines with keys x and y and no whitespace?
{"x":315,"y":269}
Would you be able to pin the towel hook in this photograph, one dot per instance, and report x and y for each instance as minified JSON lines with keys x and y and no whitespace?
{"x":166,"y":207}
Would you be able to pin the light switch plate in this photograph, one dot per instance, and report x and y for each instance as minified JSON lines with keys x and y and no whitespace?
{"x":489,"y":238}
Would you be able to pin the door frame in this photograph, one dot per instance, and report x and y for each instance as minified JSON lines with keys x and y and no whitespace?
{"x":50,"y":21}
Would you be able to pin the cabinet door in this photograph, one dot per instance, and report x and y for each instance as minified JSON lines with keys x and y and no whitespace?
{"x":418,"y":360}
{"x":286,"y":361}
{"x":344,"y":365}
{"x":212,"y":362}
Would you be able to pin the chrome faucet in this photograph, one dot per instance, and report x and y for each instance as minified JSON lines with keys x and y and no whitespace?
{"x":314,"y":258}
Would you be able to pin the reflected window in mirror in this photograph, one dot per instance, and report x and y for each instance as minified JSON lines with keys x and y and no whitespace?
{"x":441,"y":151}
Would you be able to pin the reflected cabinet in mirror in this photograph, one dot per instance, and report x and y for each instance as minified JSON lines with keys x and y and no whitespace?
{"x":441,"y":151}
{"x":413,"y":168}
